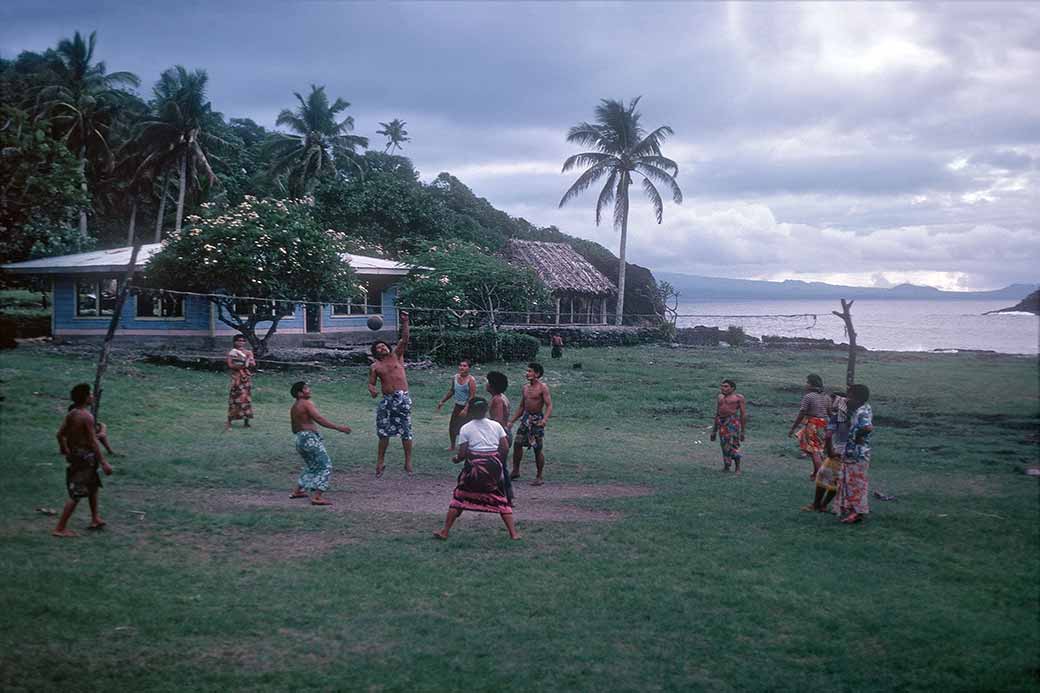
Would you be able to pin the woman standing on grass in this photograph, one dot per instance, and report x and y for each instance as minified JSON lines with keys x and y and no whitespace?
{"x":853,"y":486}
{"x":813,"y":412}
{"x":241,"y":363}
{"x":463,"y":389}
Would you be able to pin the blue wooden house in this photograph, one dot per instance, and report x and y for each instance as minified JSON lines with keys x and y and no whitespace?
{"x":84,"y":295}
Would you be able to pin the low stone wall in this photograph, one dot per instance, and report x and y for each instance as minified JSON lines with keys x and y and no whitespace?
{"x":698,"y":336}
{"x":591,"y":335}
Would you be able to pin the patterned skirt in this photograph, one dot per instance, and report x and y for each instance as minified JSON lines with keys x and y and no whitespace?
{"x":481,"y":485}
{"x":853,"y":491}
{"x":240,"y":397}
{"x":810,"y":438}
{"x":729,"y":438}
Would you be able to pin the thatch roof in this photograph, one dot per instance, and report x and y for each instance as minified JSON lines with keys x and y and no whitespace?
{"x":560,"y":267}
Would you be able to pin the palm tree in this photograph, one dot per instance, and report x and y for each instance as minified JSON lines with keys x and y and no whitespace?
{"x":82,"y":102}
{"x":395,"y":134}
{"x":317,"y":140}
{"x":622,"y":148}
{"x":177,"y":135}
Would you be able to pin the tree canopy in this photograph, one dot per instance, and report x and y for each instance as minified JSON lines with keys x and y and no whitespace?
{"x":271,"y":250}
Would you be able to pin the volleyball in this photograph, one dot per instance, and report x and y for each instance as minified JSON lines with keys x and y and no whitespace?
{"x":375,"y":322}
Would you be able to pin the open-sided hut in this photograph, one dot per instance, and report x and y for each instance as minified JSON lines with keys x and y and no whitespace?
{"x":581,"y":292}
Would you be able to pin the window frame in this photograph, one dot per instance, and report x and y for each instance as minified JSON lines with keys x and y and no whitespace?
{"x":95,"y":284}
{"x":146,"y":293}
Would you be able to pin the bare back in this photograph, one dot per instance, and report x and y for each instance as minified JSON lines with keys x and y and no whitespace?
{"x":301,"y":415}
{"x":78,"y":430}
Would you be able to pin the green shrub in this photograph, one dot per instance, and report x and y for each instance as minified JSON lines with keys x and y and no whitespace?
{"x":448,"y":347}
{"x":734,"y":336}
{"x":24,"y":326}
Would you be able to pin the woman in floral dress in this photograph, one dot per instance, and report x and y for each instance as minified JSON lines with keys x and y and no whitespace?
{"x":240,"y":399}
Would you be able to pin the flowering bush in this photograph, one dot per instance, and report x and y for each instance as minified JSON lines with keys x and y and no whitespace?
{"x":264,"y":249}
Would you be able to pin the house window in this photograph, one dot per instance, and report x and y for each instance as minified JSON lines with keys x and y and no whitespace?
{"x":157,"y":304}
{"x":95,"y":298}
{"x":246,"y":309}
{"x":369,"y":302}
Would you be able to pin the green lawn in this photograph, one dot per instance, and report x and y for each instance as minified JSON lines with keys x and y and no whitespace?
{"x":666,"y":575}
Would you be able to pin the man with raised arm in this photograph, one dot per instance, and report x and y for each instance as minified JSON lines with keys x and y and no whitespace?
{"x":394,"y":413}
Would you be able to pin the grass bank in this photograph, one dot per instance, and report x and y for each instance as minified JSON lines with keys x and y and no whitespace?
{"x":642,"y":566}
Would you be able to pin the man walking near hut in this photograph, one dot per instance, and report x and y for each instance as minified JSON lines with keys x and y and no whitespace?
{"x":394,"y":412}
{"x":533,"y":412}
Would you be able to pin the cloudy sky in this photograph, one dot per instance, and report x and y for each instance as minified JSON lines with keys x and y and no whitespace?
{"x":862,"y":143}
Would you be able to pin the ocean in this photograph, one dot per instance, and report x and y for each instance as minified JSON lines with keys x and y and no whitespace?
{"x":888,"y":325}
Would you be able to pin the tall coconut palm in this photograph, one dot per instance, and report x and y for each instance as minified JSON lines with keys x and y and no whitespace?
{"x":621,"y":148}
{"x":82,"y":102}
{"x":178,"y":134}
{"x":395,"y":135}
{"x":317,"y":140}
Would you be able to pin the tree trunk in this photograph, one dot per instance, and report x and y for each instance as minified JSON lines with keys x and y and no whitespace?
{"x":113,"y":324}
{"x":180,"y":194}
{"x":621,"y":266}
{"x":133,"y":222}
{"x":846,"y":316}
{"x":162,"y":208}
{"x":83,"y":187}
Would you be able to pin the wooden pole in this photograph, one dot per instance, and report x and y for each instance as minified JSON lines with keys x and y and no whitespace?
{"x":106,"y":347}
{"x":557,"y":310}
{"x":846,"y":316}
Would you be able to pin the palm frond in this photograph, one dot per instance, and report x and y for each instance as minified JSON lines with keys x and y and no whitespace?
{"x":655,"y":199}
{"x":583,"y":183}
{"x":663,"y":177}
{"x":586,"y":159}
{"x":606,"y":195}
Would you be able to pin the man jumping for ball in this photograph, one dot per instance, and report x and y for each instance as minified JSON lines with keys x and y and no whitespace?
{"x":394,"y":413}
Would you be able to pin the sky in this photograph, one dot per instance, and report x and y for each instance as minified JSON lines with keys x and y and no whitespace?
{"x":865,"y":144}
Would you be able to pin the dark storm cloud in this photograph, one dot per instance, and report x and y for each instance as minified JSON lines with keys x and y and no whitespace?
{"x":852,"y":119}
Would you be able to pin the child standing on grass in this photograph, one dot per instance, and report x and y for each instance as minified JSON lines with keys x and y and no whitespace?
{"x":78,"y":442}
{"x":730,"y":424}
{"x":533,"y":412}
{"x":483,"y":446}
{"x":305,"y":420}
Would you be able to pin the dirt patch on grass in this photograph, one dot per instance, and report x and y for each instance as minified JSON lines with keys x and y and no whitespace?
{"x":421,"y":495}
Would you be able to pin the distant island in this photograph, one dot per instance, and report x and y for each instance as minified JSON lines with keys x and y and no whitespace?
{"x":698,"y":288}
{"x":1029,"y":304}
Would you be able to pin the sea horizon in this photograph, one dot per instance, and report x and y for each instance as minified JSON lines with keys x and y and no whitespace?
{"x":881,"y":324}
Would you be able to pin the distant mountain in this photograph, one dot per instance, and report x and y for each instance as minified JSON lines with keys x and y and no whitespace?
{"x":1029,"y":304}
{"x":696,"y":288}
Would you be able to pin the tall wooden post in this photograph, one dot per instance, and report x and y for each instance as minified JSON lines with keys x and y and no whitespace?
{"x":113,"y":324}
{"x":846,"y":316}
{"x":557,"y":310}
{"x":603,"y":310}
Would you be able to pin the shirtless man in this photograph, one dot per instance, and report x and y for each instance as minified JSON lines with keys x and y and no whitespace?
{"x":394,"y":413}
{"x":305,"y":420}
{"x":730,"y":424}
{"x":78,"y":442}
{"x":531,"y":434}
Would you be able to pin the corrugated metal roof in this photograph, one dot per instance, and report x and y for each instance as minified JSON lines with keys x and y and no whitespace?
{"x":116,"y":259}
{"x":560,"y":267}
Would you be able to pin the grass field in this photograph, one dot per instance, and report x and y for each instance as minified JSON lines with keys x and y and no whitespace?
{"x":642,"y":566}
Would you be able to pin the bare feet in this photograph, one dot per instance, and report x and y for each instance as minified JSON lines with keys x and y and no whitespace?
{"x":63,"y":533}
{"x":298,"y":494}
{"x":514,"y":475}
{"x":852,"y":519}
{"x":808,"y":508}
{"x":97,"y":524}
{"x":538,"y":482}
{"x":320,"y":501}
{"x":379,"y":470}
{"x":247,"y":424}
{"x":442,"y":535}
{"x":515,"y":537}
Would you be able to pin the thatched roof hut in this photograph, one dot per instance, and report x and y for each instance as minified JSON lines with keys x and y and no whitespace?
{"x":581,"y":291}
